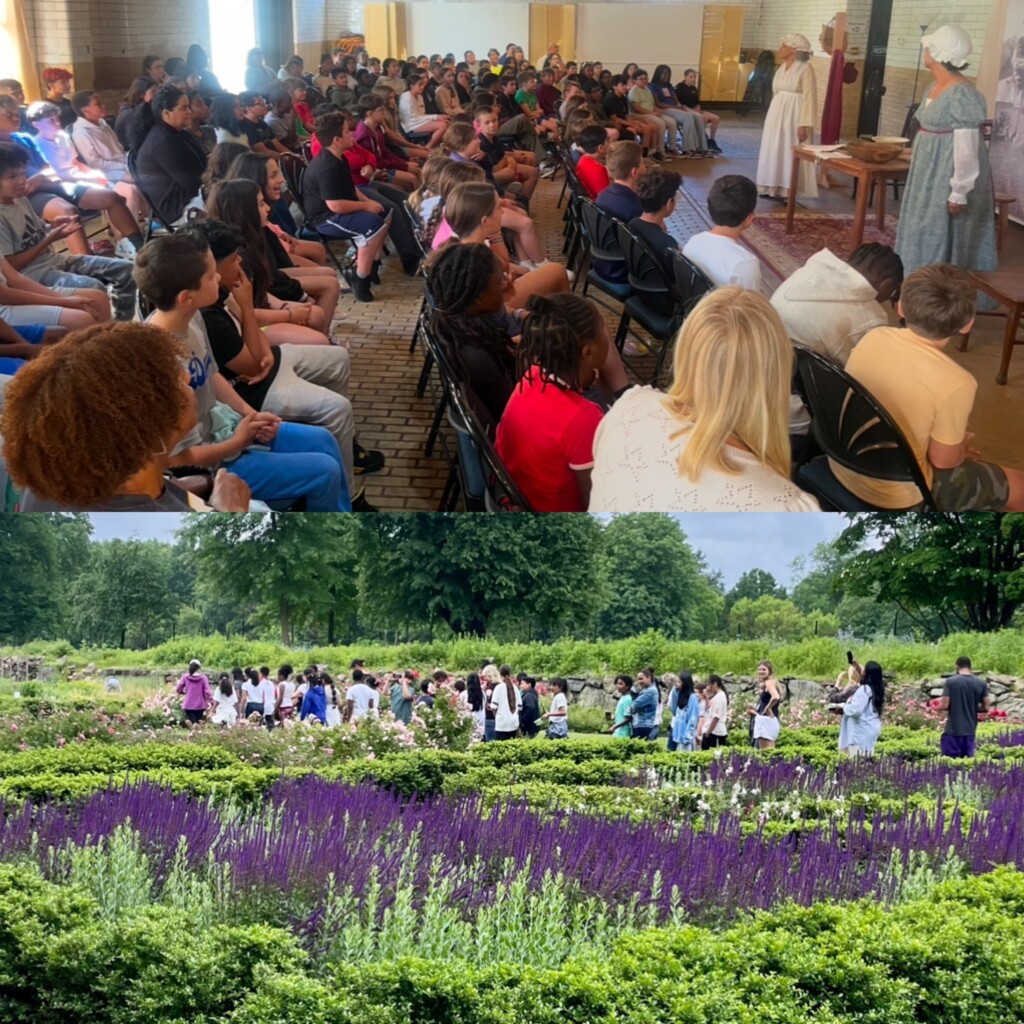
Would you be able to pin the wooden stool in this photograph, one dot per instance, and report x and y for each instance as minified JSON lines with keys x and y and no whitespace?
{"x":1003,"y":202}
{"x":1007,"y":288}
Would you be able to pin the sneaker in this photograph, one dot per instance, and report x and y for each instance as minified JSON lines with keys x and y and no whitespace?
{"x":365,"y":460}
{"x":714,"y":146}
{"x":658,"y":156}
{"x":360,"y":504}
{"x":124,"y":250}
{"x":547,"y":171}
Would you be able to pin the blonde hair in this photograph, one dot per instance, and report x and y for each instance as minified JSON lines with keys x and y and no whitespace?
{"x":732,"y":371}
{"x":457,"y":137}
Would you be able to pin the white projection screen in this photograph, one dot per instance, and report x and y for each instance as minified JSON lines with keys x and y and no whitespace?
{"x":456,"y":27}
{"x":650,"y":34}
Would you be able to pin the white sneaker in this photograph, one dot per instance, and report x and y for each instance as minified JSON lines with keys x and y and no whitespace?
{"x":548,"y":171}
{"x":124,"y":250}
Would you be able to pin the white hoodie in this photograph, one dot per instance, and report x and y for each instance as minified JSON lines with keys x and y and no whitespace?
{"x":826,"y":306}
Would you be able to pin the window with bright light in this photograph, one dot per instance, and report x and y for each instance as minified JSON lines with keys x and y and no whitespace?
{"x":232,"y":35}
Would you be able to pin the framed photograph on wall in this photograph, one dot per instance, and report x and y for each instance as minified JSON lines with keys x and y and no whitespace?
{"x":1006,"y":149}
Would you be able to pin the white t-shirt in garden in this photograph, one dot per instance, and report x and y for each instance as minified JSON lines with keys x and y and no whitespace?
{"x":288,"y":693}
{"x":363,"y":698}
{"x":253,"y":692}
{"x":718,"y":707}
{"x":268,"y":689}
{"x":560,"y":706}
{"x":506,"y":715}
{"x":636,"y":468}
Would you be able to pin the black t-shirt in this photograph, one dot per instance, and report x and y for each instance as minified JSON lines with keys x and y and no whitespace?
{"x":507,"y":107}
{"x":688,"y":95}
{"x":255,"y":131}
{"x":326,"y":178}
{"x":965,"y":695}
{"x":661,"y":243}
{"x":226,"y":343}
{"x":616,"y":106}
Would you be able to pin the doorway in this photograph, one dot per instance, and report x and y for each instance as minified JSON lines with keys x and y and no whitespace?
{"x":232,"y":35}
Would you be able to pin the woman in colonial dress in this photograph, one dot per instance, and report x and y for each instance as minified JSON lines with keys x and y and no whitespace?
{"x":790,"y":121}
{"x":946,"y":212}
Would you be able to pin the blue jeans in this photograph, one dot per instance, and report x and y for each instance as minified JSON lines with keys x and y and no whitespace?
{"x":95,"y":272}
{"x":303,"y":461}
{"x":488,"y":730}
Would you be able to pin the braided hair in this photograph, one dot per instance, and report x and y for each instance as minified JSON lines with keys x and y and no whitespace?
{"x":554,"y":334}
{"x":458,"y":276}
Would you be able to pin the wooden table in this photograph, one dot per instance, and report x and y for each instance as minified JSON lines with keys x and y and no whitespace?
{"x":1007,"y":288}
{"x":867,"y":174}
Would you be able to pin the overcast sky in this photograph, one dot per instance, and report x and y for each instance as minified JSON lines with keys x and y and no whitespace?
{"x":732,"y":543}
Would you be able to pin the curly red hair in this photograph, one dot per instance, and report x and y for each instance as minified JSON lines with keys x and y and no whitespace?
{"x":91,"y":411}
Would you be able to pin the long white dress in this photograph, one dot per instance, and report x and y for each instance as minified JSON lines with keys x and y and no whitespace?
{"x":794,"y":104}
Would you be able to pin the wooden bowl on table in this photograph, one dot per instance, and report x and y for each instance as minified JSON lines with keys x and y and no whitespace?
{"x":875,"y":152}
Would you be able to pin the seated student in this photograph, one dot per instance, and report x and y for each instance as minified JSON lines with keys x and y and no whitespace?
{"x":27,"y":242}
{"x":657,"y":189}
{"x":340,"y":92}
{"x":548,"y":95}
{"x":593,"y":174}
{"x":254,"y":126}
{"x":689,"y":123}
{"x":512,"y":122}
{"x":930,"y":397}
{"x":88,"y":423}
{"x":593,"y":96}
{"x":87,"y":188}
{"x":24,"y":302}
{"x":170,"y":161}
{"x":299,"y":92}
{"x":226,"y":112}
{"x":468,"y":286}
{"x":413,"y":116}
{"x":283,"y":308}
{"x":546,"y":433}
{"x":58,"y":84}
{"x":463,"y":145}
{"x":300,"y":383}
{"x":688,"y":95}
{"x":98,"y":147}
{"x":20,"y":344}
{"x":140,"y":93}
{"x":281,"y":119}
{"x":279,"y":461}
{"x":371,"y":134}
{"x":402,"y":146}
{"x":294,"y":67}
{"x":526,"y":97}
{"x":335,"y":208}
{"x":731,"y":203}
{"x":473,"y":213}
{"x":198,"y":123}
{"x":643,"y":107}
{"x":299,"y":258}
{"x":624,"y":162}
{"x":718,"y":441}
{"x":572,"y":91}
{"x":507,"y":167}
{"x":13,"y":88}
{"x":445,"y":96}
{"x":829,"y":304}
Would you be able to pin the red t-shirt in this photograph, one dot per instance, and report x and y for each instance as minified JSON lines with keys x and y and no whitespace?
{"x":547,"y":433}
{"x":593,"y":175}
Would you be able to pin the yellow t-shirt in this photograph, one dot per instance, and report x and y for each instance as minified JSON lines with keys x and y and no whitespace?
{"x":923,"y":390}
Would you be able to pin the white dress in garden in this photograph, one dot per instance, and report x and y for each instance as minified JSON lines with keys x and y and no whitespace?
{"x":795,"y":103}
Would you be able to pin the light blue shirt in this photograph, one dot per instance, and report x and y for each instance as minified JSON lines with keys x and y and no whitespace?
{"x":861,"y":725}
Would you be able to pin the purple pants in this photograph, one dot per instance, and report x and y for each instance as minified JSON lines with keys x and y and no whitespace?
{"x":957,"y":746}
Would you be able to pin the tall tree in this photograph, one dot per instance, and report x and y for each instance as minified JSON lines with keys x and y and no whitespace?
{"x":464,"y":570}
{"x":125,"y":590}
{"x":947,"y":572}
{"x":299,"y":566}
{"x":655,"y":580}
{"x":30,"y":563}
{"x":754,"y":583}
